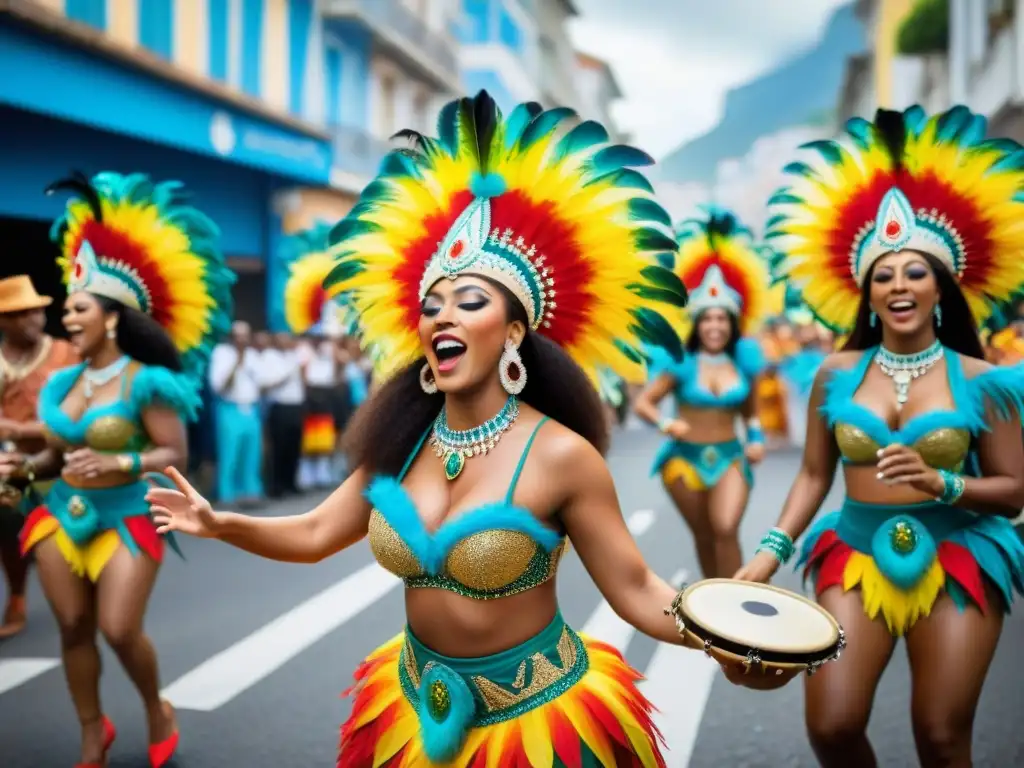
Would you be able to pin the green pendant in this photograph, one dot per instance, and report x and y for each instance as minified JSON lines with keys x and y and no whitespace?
{"x":453,"y":465}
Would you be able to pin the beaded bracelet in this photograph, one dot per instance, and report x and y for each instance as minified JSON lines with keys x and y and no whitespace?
{"x":130,"y":463}
{"x":779,"y":543}
{"x":952,"y":487}
{"x":754,"y":433}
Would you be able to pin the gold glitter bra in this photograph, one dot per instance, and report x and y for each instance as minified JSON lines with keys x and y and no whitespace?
{"x":943,"y":448}
{"x":492,"y":551}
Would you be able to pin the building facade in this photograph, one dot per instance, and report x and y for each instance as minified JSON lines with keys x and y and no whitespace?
{"x":274,"y":113}
{"x":500,"y":50}
{"x":598,"y":91}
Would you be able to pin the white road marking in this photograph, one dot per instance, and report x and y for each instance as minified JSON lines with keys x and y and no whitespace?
{"x":678,"y":683}
{"x":221,"y":678}
{"x":640,"y":521}
{"x":15,"y":672}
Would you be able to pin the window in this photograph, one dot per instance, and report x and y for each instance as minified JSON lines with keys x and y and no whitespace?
{"x":509,"y":33}
{"x":386,"y":111}
{"x":475,"y":21}
{"x":421,"y":111}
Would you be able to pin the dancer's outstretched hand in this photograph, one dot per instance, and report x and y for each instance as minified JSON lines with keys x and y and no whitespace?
{"x":181,"y":508}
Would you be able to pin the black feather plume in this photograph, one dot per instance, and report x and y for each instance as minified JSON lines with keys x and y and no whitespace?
{"x":78,"y":182}
{"x":485,"y":120}
{"x":893,"y":132}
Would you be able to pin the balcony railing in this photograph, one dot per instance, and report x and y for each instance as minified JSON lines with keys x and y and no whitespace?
{"x":404,"y":33}
{"x":357,"y":152}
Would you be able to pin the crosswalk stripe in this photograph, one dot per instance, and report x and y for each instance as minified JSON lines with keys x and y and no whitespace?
{"x":15,"y":672}
{"x":224,"y":676}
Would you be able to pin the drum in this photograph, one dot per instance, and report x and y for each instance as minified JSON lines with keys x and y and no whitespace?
{"x":758,"y":626}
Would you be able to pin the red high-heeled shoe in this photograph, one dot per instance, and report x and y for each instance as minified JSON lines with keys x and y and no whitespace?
{"x":109,"y":734}
{"x":161,"y":753}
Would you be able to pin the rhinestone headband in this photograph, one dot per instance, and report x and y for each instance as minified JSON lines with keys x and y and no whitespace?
{"x":107,"y":278}
{"x":714,"y":293}
{"x":897,"y":227}
{"x":471,"y":247}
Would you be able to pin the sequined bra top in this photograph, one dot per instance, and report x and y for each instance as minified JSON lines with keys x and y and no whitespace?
{"x":491,"y":551}
{"x":943,"y":438}
{"x":748,"y":360}
{"x":115,"y":426}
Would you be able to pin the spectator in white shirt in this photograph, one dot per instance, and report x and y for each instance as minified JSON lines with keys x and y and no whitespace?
{"x":235,"y":379}
{"x":282,"y":379}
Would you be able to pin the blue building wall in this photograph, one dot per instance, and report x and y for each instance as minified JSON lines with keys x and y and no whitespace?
{"x":349,"y":48}
{"x":493,"y":23}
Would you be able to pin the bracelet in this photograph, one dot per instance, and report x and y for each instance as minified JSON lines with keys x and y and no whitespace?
{"x":779,"y":543}
{"x":953,"y":486}
{"x":130,"y":463}
{"x":664,"y":423}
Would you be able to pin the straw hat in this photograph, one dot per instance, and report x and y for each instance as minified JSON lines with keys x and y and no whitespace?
{"x":17,"y":294}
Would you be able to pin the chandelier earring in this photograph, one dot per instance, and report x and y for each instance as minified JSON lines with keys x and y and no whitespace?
{"x":511,"y":371}
{"x":427,"y":381}
{"x":938,"y":315}
{"x":873,"y":318}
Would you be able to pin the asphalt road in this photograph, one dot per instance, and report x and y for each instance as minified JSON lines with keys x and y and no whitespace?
{"x":255,"y":654}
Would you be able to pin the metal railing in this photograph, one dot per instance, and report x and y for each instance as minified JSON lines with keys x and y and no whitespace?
{"x":394,"y":15}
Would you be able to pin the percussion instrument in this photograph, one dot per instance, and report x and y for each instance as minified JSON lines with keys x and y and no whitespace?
{"x":757,"y":625}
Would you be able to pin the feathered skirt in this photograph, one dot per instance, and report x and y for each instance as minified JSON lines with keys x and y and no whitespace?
{"x":902,"y":557}
{"x":89,"y":525}
{"x":558,"y":700}
{"x":700,"y":465}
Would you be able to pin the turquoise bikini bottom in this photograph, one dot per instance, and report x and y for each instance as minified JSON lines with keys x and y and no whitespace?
{"x":701,"y":465}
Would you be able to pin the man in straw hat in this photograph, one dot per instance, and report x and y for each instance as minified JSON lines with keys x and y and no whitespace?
{"x":27,"y":357}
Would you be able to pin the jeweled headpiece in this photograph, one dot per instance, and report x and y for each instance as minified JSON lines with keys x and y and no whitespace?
{"x":902,"y":182}
{"x":130,"y":239}
{"x":722,"y":268}
{"x":538,"y":202}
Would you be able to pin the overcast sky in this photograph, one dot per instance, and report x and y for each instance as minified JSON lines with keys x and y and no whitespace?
{"x":675,"y":59}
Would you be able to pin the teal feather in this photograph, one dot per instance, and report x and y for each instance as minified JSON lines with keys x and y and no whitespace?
{"x":830,"y":151}
{"x":785,"y":196}
{"x":448,"y":127}
{"x":775,"y":221}
{"x":517,"y":122}
{"x":156,"y":386}
{"x":655,"y":330}
{"x":798,"y":168}
{"x":351,"y":227}
{"x":645,"y":209}
{"x":623,"y":178}
{"x":629,"y":352}
{"x":543,"y":125}
{"x":666,"y":280}
{"x":584,"y":136}
{"x":619,"y":156}
{"x":915,"y":119}
{"x":648,"y":239}
{"x":667,"y":259}
{"x":443,"y":737}
{"x":491,"y":185}
{"x":345,"y":269}
{"x":398,"y":164}
{"x":1000,"y":388}
{"x":861,"y":131}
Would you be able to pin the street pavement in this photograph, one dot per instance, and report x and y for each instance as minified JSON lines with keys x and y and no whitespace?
{"x":255,"y":654}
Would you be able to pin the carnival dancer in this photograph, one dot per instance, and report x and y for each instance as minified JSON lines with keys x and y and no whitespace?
{"x":906,"y":234}
{"x":798,"y":372}
{"x":147,"y":294}
{"x":27,"y":357}
{"x":498,"y":265}
{"x":306,"y":310}
{"x":703,"y":465}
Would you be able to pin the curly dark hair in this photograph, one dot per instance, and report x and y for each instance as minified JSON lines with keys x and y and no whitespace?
{"x":958,"y":331}
{"x":140,"y":336}
{"x":693,"y":342}
{"x":384,"y":431}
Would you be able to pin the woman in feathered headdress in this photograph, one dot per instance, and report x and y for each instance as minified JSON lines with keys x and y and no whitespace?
{"x":499,"y":266}
{"x":308,"y":311}
{"x":704,"y":466}
{"x":148,"y":293}
{"x":906,"y":235}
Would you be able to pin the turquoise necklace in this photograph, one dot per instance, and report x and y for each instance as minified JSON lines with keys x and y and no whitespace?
{"x":454,"y":446}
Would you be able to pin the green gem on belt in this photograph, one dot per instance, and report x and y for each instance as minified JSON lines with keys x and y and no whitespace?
{"x":439,"y":702}
{"x":903,"y":538}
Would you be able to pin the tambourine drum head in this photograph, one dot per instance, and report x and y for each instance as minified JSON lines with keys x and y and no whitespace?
{"x":760,"y":616}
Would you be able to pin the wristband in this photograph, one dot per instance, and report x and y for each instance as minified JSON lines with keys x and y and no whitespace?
{"x":130,"y":463}
{"x":953,"y":486}
{"x":664,"y":423}
{"x":779,"y":543}
{"x":754,"y":433}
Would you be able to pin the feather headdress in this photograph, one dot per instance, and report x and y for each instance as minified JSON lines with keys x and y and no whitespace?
{"x":902,"y":182}
{"x":722,"y":268}
{"x":138,"y":242}
{"x":309,"y":261}
{"x":538,"y":202}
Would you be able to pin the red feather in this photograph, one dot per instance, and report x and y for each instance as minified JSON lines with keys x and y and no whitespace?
{"x":609,"y":723}
{"x":831,"y":566}
{"x":564,"y":739}
{"x":34,"y":518}
{"x":144,"y":532}
{"x":960,"y":565}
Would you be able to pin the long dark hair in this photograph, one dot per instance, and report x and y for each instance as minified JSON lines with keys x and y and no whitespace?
{"x":140,"y":336}
{"x":958,"y":331}
{"x":693,"y":342}
{"x":385,"y":429}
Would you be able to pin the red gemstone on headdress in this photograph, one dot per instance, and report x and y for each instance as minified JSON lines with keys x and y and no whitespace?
{"x":456,"y":250}
{"x":893,"y":229}
{"x":713,"y":290}
{"x":78,"y":270}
